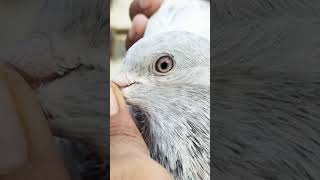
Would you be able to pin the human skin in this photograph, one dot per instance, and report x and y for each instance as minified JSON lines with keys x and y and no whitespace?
{"x":140,"y":11}
{"x":129,"y":155}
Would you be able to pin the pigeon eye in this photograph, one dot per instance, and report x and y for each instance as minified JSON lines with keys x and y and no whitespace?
{"x":164,"y":64}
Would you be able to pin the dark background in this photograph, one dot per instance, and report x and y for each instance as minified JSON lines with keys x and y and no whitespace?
{"x":74,"y":35}
{"x":265,"y":85}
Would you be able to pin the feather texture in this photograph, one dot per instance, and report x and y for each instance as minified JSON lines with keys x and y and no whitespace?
{"x":266,"y":73}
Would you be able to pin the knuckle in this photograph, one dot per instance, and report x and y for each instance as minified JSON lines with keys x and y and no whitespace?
{"x":120,"y":130}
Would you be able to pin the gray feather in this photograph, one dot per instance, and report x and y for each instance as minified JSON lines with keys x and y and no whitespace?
{"x":266,"y":73}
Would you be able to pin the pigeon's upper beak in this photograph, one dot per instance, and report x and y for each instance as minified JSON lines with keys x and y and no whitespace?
{"x":122,"y":80}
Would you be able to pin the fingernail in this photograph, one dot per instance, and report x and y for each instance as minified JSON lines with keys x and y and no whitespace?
{"x":114,"y":107}
{"x":13,"y":151}
{"x":144,"y":4}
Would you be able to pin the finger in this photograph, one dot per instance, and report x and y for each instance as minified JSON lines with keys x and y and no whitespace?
{"x":43,"y":161}
{"x":125,"y":137}
{"x":139,"y":24}
{"x":146,"y":7}
{"x":13,"y":151}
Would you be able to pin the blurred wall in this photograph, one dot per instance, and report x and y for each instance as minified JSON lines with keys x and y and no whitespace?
{"x":119,"y":25}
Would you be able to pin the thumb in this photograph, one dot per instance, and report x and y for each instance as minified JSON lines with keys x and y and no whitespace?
{"x":125,"y":137}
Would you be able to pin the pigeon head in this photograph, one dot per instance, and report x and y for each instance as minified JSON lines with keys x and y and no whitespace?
{"x":165,"y":80}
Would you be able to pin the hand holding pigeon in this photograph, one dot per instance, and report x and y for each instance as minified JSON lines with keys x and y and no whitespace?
{"x":129,"y":155}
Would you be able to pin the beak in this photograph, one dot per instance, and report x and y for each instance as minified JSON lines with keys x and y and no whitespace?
{"x":121,"y":79}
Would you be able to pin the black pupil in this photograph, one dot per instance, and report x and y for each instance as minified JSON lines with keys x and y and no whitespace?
{"x":164,"y":65}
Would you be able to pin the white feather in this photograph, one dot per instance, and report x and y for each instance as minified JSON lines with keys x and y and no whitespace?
{"x":181,"y":15}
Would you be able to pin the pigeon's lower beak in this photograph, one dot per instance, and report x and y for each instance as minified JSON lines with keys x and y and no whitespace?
{"x":122,"y":80}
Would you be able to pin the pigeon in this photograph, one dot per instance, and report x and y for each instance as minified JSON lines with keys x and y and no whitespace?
{"x":60,"y":50}
{"x":165,"y":80}
{"x":266,"y":90}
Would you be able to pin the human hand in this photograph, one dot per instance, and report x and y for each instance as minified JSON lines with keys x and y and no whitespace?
{"x":129,"y":155}
{"x":140,"y":11}
{"x":27,"y":150}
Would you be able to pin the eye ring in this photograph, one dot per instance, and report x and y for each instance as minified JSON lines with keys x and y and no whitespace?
{"x":164,"y":65}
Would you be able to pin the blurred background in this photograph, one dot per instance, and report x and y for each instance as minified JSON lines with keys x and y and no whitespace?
{"x":119,"y":25}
